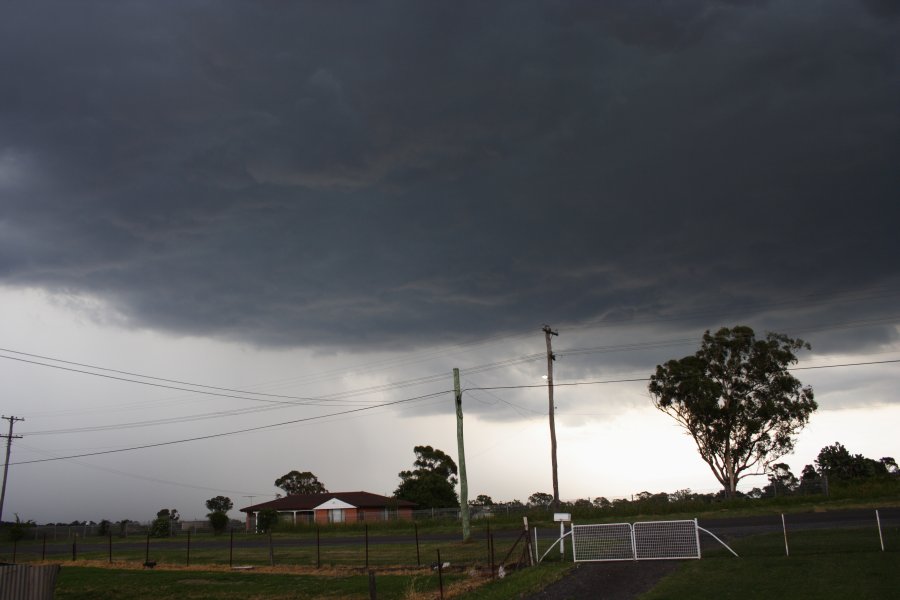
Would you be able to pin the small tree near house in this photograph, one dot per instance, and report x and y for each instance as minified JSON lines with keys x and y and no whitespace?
{"x":296,"y":482}
{"x":218,"y":515}
{"x":431,"y":483}
{"x":266,"y":520}
{"x":164,"y":523}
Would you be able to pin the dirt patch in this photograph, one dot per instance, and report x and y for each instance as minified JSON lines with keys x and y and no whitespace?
{"x":608,"y":580}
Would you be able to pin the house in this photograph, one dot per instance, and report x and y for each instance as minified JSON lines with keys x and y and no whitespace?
{"x":332,"y":507}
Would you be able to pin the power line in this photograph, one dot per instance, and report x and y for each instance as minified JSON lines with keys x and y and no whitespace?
{"x":856,"y":364}
{"x":395,"y":402}
{"x":227,"y":433}
{"x":304,"y":401}
{"x":139,"y":477}
{"x":338,"y":398}
{"x":576,"y":383}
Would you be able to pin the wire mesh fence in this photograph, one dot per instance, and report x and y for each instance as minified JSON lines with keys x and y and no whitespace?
{"x":603,"y":542}
{"x":660,"y":540}
{"x":648,"y":540}
{"x":412,"y":544}
{"x":319,"y":548}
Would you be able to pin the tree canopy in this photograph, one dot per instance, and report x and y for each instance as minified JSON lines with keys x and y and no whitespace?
{"x":431,"y":483}
{"x":295,"y":483}
{"x":219,"y":504}
{"x":836,"y":461}
{"x":482,"y":500}
{"x":164,"y":523}
{"x":218,"y":512}
{"x":540,"y":499}
{"x":736,"y":398}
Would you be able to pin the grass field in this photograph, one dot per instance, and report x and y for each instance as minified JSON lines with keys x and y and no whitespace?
{"x":98,"y":583}
{"x":345,"y":548}
{"x":102,"y":583}
{"x":823,"y":565}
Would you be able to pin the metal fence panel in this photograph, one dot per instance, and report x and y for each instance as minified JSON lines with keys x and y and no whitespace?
{"x":663,"y":540}
{"x":602,"y":542}
{"x":648,"y":540}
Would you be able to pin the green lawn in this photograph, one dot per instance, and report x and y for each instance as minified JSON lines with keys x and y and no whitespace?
{"x":295,"y":549}
{"x":823,"y":565}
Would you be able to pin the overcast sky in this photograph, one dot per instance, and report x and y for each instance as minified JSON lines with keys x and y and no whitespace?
{"x":343,"y":201}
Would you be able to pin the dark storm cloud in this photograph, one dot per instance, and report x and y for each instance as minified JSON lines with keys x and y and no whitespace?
{"x":349,"y":174}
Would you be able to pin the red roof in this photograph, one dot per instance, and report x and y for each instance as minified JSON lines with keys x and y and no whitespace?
{"x":310,"y":501}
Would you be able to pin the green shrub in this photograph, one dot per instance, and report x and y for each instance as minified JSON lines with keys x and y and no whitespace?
{"x":218,"y":521}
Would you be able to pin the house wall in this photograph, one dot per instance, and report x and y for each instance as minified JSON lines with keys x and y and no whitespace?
{"x":351,"y":515}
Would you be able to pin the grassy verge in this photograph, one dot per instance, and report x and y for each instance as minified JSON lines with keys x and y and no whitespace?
{"x":520,"y":583}
{"x":287,"y":549}
{"x":823,"y":565}
{"x":98,"y":583}
{"x":102,"y":583}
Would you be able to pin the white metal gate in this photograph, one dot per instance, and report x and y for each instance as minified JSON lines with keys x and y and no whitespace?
{"x":648,"y":540}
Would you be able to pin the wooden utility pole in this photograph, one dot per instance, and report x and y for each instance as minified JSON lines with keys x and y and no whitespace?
{"x":463,"y":482}
{"x":550,"y":358}
{"x":9,"y":439}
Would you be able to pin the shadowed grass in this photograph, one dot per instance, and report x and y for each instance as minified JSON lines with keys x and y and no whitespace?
{"x":97,"y":583}
{"x":823,"y":565}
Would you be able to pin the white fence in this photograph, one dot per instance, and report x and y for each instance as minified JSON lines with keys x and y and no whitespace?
{"x":649,"y":540}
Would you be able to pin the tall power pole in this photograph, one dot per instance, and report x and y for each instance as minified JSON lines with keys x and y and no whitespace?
{"x":463,"y":482}
{"x":9,"y":439}
{"x":550,"y":358}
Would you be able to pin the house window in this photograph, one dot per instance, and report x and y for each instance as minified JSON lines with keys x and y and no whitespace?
{"x":336,"y":515}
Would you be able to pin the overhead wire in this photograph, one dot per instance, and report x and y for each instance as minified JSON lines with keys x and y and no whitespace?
{"x":235,"y":432}
{"x":140,"y":477}
{"x":330,"y":399}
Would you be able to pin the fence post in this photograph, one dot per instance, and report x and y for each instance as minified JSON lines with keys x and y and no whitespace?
{"x":418,"y":559}
{"x":440,"y":574}
{"x":74,"y":551}
{"x":44,"y":549}
{"x":787,"y":551}
{"x":147,"y":552}
{"x":231,"y":549}
{"x":696,"y":533}
{"x":492,"y":556}
{"x":109,"y":533}
{"x":877,"y":520}
{"x":271,"y":550}
{"x":188,"y":562}
{"x":15,"y":545}
{"x":633,"y":541}
{"x":318,"y":550}
{"x":372,"y":594}
{"x":367,"y":545}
